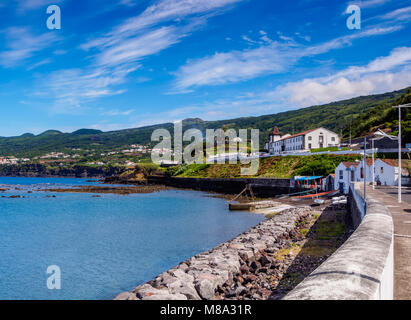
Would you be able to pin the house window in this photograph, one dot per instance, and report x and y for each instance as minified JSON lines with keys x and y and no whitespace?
{"x":309,"y":146}
{"x":333,"y":139}
{"x":362,"y":173}
{"x":352,"y":175}
{"x":341,"y":174}
{"x":310,"y":138}
{"x":382,"y":170}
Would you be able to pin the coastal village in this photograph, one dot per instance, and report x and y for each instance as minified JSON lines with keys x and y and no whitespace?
{"x":316,"y":141}
{"x":310,"y":190}
{"x":379,"y":171}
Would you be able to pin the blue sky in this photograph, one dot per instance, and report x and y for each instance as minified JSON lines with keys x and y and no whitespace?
{"x":119,"y":64}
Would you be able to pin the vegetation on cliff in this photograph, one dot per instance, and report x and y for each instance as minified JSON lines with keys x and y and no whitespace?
{"x":66,"y":170}
{"x":384,"y":117}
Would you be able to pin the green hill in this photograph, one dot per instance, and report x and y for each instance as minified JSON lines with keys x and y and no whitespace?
{"x":335,"y":116}
{"x":384,"y":117}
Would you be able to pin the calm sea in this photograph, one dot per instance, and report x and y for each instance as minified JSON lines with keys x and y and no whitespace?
{"x":106,"y":245}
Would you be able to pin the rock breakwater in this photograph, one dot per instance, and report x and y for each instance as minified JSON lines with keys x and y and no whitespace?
{"x":230,"y":270}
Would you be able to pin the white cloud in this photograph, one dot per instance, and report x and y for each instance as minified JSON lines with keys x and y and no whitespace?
{"x":234,"y":66}
{"x":119,"y":52}
{"x":245,"y":38}
{"x":134,"y":49}
{"x":21,"y":45}
{"x":133,"y":39}
{"x":116,"y":112}
{"x":399,"y":14}
{"x":25,"y":5}
{"x":369,"y":3}
{"x":161,"y":12}
{"x":271,"y":58}
{"x":39,"y":64}
{"x":383,"y":74}
{"x":72,"y":89}
{"x":166,"y":10}
{"x":380,"y":75}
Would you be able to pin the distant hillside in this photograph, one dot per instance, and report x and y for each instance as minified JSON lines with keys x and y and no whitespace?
{"x":383,"y":117}
{"x":334,"y":116}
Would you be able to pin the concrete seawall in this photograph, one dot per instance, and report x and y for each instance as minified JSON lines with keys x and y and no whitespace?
{"x":362,"y":268}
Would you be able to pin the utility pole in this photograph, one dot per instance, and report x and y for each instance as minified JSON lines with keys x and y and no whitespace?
{"x":350,"y":130}
{"x":373,"y":166}
{"x":399,"y":148}
{"x":399,"y":157}
{"x":364,"y":175}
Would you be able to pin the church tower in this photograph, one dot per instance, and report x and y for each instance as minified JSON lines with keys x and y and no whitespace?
{"x":275,"y":135}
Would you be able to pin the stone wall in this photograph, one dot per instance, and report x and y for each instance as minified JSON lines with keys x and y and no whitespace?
{"x":201,"y":276}
{"x":356,"y":206}
{"x":362,"y":268}
{"x":261,"y":187}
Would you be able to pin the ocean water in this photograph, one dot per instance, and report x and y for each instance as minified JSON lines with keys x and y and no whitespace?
{"x":105,"y":245}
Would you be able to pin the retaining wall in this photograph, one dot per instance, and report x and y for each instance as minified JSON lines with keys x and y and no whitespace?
{"x":362,"y":268}
{"x":261,"y":187}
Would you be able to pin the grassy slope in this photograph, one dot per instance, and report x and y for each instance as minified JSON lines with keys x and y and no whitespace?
{"x":273,"y":167}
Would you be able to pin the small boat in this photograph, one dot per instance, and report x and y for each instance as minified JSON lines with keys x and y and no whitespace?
{"x":319,"y":201}
{"x":240,"y":206}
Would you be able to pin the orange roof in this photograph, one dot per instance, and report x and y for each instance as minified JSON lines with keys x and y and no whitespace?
{"x":369,"y":162}
{"x":298,"y":134}
{"x":390,"y":162}
{"x":349,"y":164}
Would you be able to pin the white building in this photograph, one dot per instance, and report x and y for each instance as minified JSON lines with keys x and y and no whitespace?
{"x":303,"y":141}
{"x":385,"y":173}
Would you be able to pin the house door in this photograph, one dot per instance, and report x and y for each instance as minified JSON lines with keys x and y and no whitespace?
{"x":341,"y":187}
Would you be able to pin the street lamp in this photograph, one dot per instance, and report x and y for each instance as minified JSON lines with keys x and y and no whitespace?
{"x":399,"y":147}
{"x":373,"y":160}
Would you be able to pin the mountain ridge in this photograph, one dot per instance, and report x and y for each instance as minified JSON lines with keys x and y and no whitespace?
{"x":335,"y":116}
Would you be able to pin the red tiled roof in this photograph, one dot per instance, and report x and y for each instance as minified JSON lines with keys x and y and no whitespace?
{"x":298,"y":134}
{"x":390,"y":162}
{"x":349,"y":164}
{"x":369,"y":162}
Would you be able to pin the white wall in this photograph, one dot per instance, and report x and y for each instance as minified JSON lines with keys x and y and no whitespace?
{"x":388,"y":176}
{"x":315,"y":139}
{"x":302,"y":142}
{"x":344,"y":178}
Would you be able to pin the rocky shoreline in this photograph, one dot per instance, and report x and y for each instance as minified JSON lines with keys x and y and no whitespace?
{"x":122,"y":190}
{"x":253,"y":265}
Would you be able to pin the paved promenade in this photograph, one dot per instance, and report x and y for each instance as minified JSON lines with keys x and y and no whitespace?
{"x":401,"y":214}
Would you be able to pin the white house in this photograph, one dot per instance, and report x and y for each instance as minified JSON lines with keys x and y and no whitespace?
{"x":385,"y":173}
{"x":344,"y":175}
{"x":303,"y":141}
